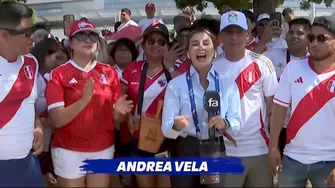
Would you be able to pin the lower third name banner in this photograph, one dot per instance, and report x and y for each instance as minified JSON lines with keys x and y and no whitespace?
{"x":168,"y":166}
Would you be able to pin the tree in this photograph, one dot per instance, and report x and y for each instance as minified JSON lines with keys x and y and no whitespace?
{"x":259,"y":6}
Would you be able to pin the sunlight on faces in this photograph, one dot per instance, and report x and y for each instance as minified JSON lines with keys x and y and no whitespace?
{"x":201,"y":49}
{"x":234,"y":37}
{"x":297,"y":37}
{"x":321,"y":50}
{"x":86,"y":47}
{"x":155,"y":45}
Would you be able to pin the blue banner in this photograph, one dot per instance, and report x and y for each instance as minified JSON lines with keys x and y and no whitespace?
{"x":168,"y":166}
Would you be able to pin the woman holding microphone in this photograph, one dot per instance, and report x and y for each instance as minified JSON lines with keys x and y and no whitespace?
{"x":184,"y":95}
{"x":84,"y":99}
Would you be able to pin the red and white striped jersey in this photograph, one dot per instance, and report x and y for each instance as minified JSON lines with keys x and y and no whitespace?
{"x":310,"y":136}
{"x":18,"y":93}
{"x":154,"y":88}
{"x":256,"y":80}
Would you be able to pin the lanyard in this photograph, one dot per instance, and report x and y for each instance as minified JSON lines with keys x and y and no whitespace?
{"x":288,"y":57}
{"x":192,"y":99}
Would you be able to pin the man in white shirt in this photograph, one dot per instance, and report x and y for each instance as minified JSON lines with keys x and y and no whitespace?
{"x":150,"y":10}
{"x":256,"y":81}
{"x":126,"y":19}
{"x":288,"y":16}
{"x":21,"y":132}
{"x":307,"y":86}
{"x":297,"y":41}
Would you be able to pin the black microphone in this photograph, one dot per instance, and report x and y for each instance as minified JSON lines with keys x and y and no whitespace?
{"x":212,"y":106}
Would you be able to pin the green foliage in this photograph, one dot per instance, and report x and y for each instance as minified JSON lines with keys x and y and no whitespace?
{"x":306,"y":4}
{"x":242,"y":4}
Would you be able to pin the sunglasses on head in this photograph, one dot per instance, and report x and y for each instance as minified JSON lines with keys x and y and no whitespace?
{"x":160,"y":42}
{"x":320,"y":38}
{"x":82,"y":36}
{"x":28,"y":32}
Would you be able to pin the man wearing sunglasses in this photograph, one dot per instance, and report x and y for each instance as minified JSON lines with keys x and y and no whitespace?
{"x":307,"y":86}
{"x":21,"y":132}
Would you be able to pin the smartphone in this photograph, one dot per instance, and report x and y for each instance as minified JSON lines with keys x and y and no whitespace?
{"x":68,"y":19}
{"x":276,"y":19}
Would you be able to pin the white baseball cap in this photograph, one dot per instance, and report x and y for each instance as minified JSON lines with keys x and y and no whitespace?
{"x":263,"y":16}
{"x":233,"y":18}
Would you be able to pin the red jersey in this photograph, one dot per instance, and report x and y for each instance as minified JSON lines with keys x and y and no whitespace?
{"x":154,"y":88}
{"x":185,"y":66}
{"x":92,"y":129}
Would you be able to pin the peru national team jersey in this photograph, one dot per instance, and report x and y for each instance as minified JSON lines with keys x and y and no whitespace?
{"x":92,"y":129}
{"x":310,"y":132}
{"x":154,"y":88}
{"x":18,"y":93}
{"x":256,"y":79}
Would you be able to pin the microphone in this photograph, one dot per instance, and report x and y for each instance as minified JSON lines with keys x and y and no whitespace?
{"x":212,"y":106}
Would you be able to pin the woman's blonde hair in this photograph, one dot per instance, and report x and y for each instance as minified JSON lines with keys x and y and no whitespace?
{"x":101,"y":53}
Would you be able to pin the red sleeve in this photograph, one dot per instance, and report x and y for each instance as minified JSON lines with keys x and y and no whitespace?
{"x":125,"y":75}
{"x":116,"y":86}
{"x":184,"y":67}
{"x":54,"y":92}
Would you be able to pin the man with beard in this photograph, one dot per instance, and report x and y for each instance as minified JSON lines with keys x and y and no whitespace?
{"x":308,"y":87}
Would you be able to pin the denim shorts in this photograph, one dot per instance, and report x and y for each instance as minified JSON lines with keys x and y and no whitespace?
{"x":24,"y":172}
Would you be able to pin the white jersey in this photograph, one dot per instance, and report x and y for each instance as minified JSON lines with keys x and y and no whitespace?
{"x":145,"y":22}
{"x":256,"y":79}
{"x":18,"y":93}
{"x":280,"y":60}
{"x":310,"y":132}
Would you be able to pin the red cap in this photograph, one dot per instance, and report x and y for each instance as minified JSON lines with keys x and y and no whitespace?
{"x":150,"y":5}
{"x":82,"y":25}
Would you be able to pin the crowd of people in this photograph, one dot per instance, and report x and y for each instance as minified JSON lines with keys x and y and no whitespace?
{"x":93,"y":97}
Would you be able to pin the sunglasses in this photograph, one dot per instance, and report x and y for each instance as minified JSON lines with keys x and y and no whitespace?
{"x":81,"y":36}
{"x":320,"y":38}
{"x":28,"y":32}
{"x":160,"y":42}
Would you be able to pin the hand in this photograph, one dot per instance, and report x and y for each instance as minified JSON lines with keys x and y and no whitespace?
{"x":123,"y":106}
{"x":180,"y":122}
{"x":331,"y":179}
{"x":173,"y":54}
{"x":133,"y":123}
{"x":274,"y":161}
{"x":38,"y":141}
{"x":267,"y":34}
{"x":217,"y":122}
{"x":88,"y":90}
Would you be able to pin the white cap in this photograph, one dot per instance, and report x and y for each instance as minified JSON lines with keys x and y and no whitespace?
{"x":263,"y":16}
{"x":233,"y":18}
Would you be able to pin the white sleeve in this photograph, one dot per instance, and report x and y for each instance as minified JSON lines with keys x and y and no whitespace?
{"x":171,"y":109}
{"x":269,"y":77}
{"x":283,"y":92}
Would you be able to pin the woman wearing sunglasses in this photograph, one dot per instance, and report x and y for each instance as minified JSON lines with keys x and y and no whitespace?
{"x":145,"y":82}
{"x":84,"y":97}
